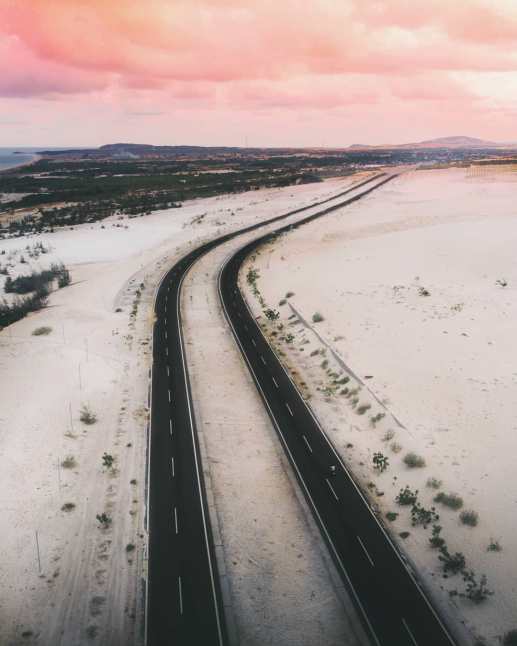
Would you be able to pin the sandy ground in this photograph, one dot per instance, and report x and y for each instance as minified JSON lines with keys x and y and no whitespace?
{"x":416,"y":353}
{"x":88,"y":587}
{"x":283,"y":584}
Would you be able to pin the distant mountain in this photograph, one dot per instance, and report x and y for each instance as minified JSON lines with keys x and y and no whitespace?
{"x":441,"y":142}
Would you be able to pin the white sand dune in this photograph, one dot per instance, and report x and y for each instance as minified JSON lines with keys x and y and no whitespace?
{"x":443,"y":365}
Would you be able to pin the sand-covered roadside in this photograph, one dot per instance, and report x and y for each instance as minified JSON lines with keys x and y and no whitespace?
{"x":97,"y":353}
{"x":416,"y":287}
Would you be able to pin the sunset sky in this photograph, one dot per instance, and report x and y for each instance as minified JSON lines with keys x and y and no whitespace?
{"x":256,"y":72}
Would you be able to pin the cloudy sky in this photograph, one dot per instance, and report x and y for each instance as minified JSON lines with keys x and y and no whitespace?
{"x":256,"y":72}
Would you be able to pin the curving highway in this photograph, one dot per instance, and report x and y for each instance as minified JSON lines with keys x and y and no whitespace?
{"x":184,"y":600}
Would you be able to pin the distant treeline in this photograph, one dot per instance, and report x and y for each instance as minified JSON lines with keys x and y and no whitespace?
{"x":91,"y":191}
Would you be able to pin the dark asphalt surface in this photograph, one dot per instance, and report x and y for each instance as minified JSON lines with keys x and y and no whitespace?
{"x":184,"y":602}
{"x":394,"y":609}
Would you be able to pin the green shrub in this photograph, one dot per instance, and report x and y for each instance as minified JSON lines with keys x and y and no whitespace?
{"x":376,"y":418}
{"x":436,"y":540}
{"x":42,"y":331}
{"x":433,"y":483}
{"x":104,"y":520}
{"x":422,"y":516}
{"x":69,"y":462}
{"x":414,"y":461}
{"x":494,"y":546}
{"x":317,"y":317}
{"x":361,"y":410}
{"x":87,"y":416}
{"x":451,"y":563}
{"x":289,"y":294}
{"x":282,"y":302}
{"x":380,"y":462}
{"x":68,"y":506}
{"x":406,"y":496}
{"x":469,"y":517}
{"x":450,"y":500}
{"x":391,"y":516}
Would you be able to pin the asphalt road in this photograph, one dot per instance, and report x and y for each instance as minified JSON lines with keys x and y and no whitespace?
{"x":394,"y":608}
{"x":184,"y":601}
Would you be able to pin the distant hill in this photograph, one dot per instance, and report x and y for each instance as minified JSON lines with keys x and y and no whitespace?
{"x":441,"y":142}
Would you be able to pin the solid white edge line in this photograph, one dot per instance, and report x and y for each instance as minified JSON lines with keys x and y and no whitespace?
{"x":332,"y":489}
{"x":365,"y":551}
{"x":412,"y":637}
{"x":338,"y":457}
{"x":295,"y":467}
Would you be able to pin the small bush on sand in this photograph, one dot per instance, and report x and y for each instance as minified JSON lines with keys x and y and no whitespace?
{"x":87,"y":416}
{"x":436,"y":541}
{"x":414,"y":461}
{"x":380,"y":462}
{"x":130,"y":547}
{"x":450,"y":500}
{"x":404,"y":535}
{"x":395,"y":447}
{"x":494,"y":546}
{"x":475,"y":591}
{"x":451,"y":563}
{"x":389,"y":435}
{"x":406,"y":496}
{"x":361,"y":410}
{"x":289,"y":294}
{"x":104,"y":520}
{"x":317,"y":317}
{"x":42,"y":331}
{"x":376,"y":418}
{"x":469,"y":517}
{"x":107,"y":460}
{"x":422,"y":516}
{"x":391,"y":516}
{"x":69,"y":462}
{"x":68,"y":506}
{"x":282,"y":302}
{"x":433,"y":483}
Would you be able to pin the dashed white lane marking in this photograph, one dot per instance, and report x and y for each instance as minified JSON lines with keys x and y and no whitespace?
{"x":168,"y":371}
{"x":411,"y":636}
{"x":274,"y":381}
{"x":263,"y":360}
{"x":307,"y":443}
{"x":170,"y":427}
{"x":180,"y":595}
{"x":289,"y":409}
{"x":331,"y":489}
{"x":365,"y":551}
{"x":166,"y":351}
{"x":176,"y":526}
{"x":165,"y":334}
{"x":172,"y":466}
{"x":254,"y":342}
{"x":169,"y":396}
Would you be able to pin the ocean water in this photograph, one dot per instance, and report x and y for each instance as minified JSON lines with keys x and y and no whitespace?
{"x":8,"y":158}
